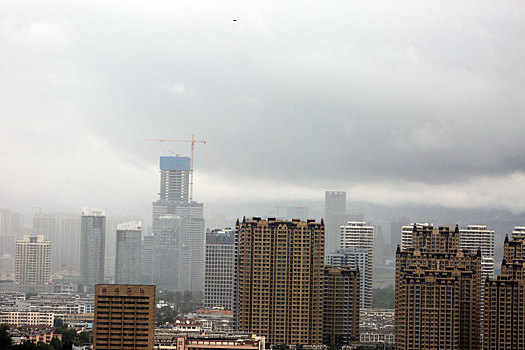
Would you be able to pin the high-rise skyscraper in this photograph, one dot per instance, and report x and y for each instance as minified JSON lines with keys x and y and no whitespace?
{"x":167,"y":231}
{"x":174,"y":200}
{"x":479,"y":237}
{"x":355,"y":258}
{"x":504,"y":306}
{"x":128,"y":257}
{"x":124,"y":317}
{"x":110,"y":253}
{"x":32,"y":263}
{"x":7,"y":256}
{"x":92,"y":246}
{"x":357,"y":234}
{"x":147,"y":254}
{"x":279,"y":280}
{"x":11,"y":223}
{"x":341,"y":306}
{"x":63,"y":230}
{"x":191,"y":264}
{"x":11,"y":228}
{"x":175,"y":179}
{"x":219,"y":275}
{"x":437,"y":292}
{"x":334,"y":216}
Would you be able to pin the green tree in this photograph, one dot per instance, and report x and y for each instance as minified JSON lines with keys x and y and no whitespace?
{"x":165,"y":314}
{"x":85,"y":338}
{"x":68,"y":335}
{"x":5,"y":338}
{"x":56,"y":344}
{"x":178,"y":297}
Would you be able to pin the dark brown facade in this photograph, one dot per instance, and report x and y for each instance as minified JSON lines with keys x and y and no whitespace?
{"x":279,"y":274}
{"x":341,"y":305}
{"x":504,"y":312}
{"x":437,"y":293}
{"x":124,"y":316}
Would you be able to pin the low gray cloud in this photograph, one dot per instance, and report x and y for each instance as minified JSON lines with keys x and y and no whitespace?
{"x":308,"y":96}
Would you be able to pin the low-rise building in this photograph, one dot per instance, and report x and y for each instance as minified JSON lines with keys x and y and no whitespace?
{"x":377,"y":326}
{"x":217,"y":321}
{"x":209,"y":341}
{"x":27,"y":318}
{"x":33,"y":334}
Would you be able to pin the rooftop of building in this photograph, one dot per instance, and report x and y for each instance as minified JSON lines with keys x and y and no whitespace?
{"x":87,"y":211}
{"x":135,"y":225}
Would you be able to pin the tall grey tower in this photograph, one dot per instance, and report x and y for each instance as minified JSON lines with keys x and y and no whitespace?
{"x":175,"y":178}
{"x":220,"y":263}
{"x":128,"y":255}
{"x":334,"y":217}
{"x":63,"y":230}
{"x":92,"y":246}
{"x":167,"y":230}
{"x":187,"y":272}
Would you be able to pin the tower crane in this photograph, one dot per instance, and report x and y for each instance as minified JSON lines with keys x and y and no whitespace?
{"x":193,"y":142}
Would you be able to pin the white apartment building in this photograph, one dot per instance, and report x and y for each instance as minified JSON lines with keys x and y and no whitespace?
{"x":33,"y":260}
{"x":358,"y":234}
{"x":518,"y":232}
{"x":474,"y":237}
{"x":27,"y":318}
{"x":406,"y":234}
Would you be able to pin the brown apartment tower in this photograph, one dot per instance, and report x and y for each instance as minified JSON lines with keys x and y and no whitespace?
{"x":341,"y":305}
{"x":280,"y":277}
{"x":504,"y":312}
{"x":124,"y":316}
{"x":437,"y":293}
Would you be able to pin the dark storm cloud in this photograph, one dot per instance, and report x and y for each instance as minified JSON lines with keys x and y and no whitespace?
{"x":313,"y":94}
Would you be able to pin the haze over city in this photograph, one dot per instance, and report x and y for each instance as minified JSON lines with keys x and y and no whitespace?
{"x":249,"y":175}
{"x":399,"y":104}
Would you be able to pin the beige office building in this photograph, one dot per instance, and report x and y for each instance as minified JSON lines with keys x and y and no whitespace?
{"x":124,"y":316}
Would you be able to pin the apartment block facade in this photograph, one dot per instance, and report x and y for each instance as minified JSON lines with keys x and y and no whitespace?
{"x":437,"y":292}
{"x":341,"y":306}
{"x":219,"y":274}
{"x":33,"y":260}
{"x":279,"y":280}
{"x":360,"y":235}
{"x":124,"y":316}
{"x":504,"y":309}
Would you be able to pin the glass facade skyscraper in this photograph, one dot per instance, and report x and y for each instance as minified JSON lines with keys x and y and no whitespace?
{"x":128,"y":255}
{"x":92,"y":246}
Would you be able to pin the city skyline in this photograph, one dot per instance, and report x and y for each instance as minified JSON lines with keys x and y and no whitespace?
{"x":270,"y":173}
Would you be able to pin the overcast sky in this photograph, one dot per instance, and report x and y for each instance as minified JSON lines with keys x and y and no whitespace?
{"x":396,"y":102}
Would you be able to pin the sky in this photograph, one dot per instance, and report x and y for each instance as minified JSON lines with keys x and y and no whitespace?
{"x":395,"y":102}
